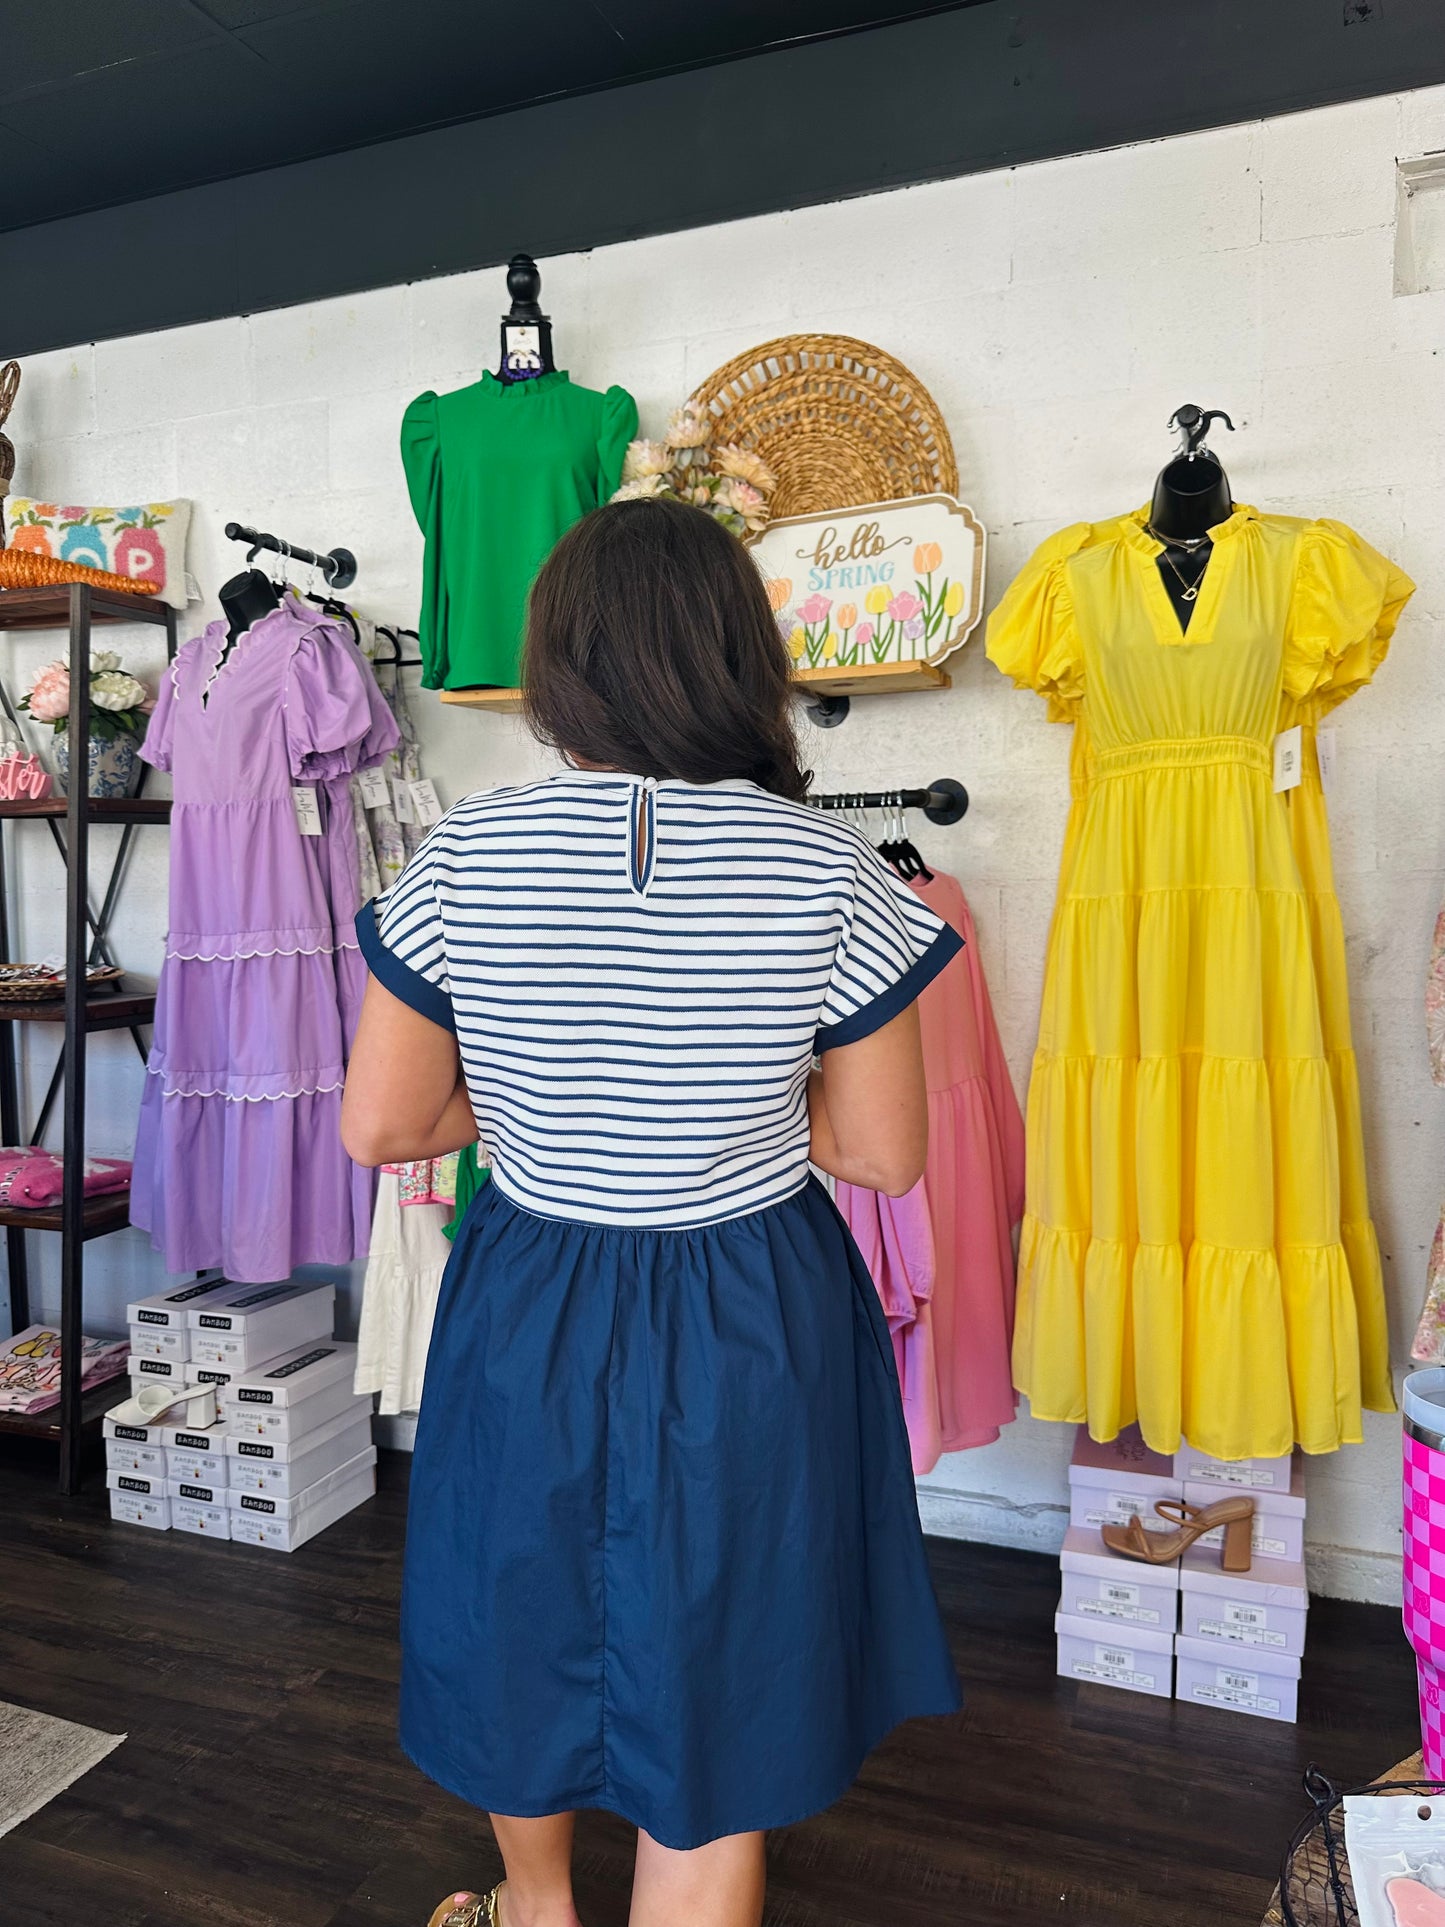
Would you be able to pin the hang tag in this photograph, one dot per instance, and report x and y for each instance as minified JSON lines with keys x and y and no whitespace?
{"x":424,"y":799}
{"x":374,"y":793}
{"x":308,"y":810}
{"x":1288,"y":758}
{"x":402,"y":806}
{"x":1325,"y":750}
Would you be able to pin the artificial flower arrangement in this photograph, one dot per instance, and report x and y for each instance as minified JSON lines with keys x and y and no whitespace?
{"x":119,"y":704}
{"x":731,"y":483}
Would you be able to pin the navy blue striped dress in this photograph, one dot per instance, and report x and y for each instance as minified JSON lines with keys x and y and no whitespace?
{"x":663,"y":1554}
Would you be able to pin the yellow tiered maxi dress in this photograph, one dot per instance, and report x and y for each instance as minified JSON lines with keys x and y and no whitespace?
{"x":1193,"y":1108}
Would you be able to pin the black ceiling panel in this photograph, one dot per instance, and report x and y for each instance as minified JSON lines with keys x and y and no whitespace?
{"x":114,"y":100}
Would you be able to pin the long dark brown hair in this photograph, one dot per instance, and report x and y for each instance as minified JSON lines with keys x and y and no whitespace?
{"x":651,"y":647}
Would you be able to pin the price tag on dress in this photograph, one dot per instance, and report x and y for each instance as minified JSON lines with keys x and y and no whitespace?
{"x":308,"y":810}
{"x":401,"y":803}
{"x":374,"y":793}
{"x":426,"y":802}
{"x":1288,"y":758}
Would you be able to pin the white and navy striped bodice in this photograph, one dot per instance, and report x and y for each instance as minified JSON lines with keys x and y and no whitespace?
{"x":639,"y":974}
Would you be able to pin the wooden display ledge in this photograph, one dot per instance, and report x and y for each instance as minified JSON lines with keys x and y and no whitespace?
{"x":93,"y":1407}
{"x":860,"y":679}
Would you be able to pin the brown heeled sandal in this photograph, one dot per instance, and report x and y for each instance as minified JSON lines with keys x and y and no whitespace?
{"x":1236,"y":1515}
{"x":468,"y":1910}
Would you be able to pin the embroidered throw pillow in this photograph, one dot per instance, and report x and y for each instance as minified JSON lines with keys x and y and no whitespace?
{"x":147,"y":544}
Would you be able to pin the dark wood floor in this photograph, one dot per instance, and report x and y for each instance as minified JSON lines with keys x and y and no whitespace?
{"x":262,"y":1786}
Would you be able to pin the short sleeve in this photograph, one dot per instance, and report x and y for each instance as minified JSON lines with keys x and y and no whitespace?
{"x":1347,"y":600}
{"x":1032,"y":635}
{"x":421,"y":458}
{"x":619,"y":427}
{"x":160,"y":736}
{"x":336,"y":717}
{"x":403,"y":940}
{"x":891,"y":949}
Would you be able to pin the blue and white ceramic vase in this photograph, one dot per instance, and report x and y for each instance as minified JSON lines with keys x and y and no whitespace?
{"x":112,"y":763}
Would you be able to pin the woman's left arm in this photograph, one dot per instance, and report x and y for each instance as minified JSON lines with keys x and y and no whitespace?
{"x":405,"y":1097}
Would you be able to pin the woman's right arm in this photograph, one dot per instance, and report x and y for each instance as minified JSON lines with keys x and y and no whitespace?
{"x":868,"y":1106}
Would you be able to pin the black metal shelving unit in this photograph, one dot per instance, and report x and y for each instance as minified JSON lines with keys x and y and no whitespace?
{"x":77,"y":1219}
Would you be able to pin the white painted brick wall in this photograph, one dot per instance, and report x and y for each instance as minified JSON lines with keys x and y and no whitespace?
{"x":1058,"y":313}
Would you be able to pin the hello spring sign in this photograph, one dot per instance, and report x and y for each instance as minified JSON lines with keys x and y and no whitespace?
{"x":889,"y":582}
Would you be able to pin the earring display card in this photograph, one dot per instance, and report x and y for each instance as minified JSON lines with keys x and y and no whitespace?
{"x":1135,"y":1658}
{"x":1099,"y":1586}
{"x":1263,"y":1684}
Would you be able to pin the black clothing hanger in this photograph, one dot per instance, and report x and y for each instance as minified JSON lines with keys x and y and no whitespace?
{"x":526,"y":331}
{"x":396,"y":660}
{"x":1191,"y":496}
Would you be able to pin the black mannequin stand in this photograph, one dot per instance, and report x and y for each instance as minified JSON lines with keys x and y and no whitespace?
{"x":244,"y":600}
{"x":526,"y":331}
{"x":1191,"y":496}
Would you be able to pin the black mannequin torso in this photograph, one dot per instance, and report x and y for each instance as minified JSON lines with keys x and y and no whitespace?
{"x":526,"y":331}
{"x":244,"y":600}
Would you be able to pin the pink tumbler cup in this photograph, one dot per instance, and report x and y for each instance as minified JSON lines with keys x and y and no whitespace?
{"x":1424,"y":1574}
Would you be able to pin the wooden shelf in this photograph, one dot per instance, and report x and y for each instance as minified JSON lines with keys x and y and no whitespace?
{"x":50,"y":608}
{"x":860,"y":679}
{"x":109,"y":1211}
{"x":103,"y":809}
{"x":874,"y":678}
{"x":502,"y":702}
{"x":104,"y":1009}
{"x":93,"y":1408}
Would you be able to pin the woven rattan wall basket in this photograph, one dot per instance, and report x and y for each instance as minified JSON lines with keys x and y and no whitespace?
{"x":837,"y":420}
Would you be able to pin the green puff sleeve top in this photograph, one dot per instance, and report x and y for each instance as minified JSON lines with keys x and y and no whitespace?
{"x":497,"y":473}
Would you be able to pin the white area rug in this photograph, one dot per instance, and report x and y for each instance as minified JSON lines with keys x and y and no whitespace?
{"x":40,"y":1757}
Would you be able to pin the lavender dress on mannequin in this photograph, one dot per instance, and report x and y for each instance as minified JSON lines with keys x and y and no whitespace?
{"x":238,"y":1158}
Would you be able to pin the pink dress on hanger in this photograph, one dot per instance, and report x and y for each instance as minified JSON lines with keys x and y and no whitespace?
{"x":953,"y":1352}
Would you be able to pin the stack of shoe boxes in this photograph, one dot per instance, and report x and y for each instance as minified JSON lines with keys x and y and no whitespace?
{"x":284,"y":1399}
{"x":1242,"y":1635}
{"x":1117,"y":1617}
{"x":1189,"y":1628}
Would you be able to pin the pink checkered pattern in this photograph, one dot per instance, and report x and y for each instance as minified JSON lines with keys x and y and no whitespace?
{"x":1424,"y":1594}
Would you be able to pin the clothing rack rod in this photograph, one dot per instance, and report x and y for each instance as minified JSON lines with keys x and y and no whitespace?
{"x":337,"y":565}
{"x":944,"y":801}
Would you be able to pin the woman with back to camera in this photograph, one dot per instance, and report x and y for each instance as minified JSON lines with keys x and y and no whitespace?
{"x":663,"y":1554}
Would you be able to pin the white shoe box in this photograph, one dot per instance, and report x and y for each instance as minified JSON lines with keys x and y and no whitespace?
{"x":1279,"y":1516}
{"x":198,"y":1456}
{"x":139,"y":1498}
{"x":164,"y":1341}
{"x":1263,"y":1684}
{"x":209,"y":1521}
{"x":1101,"y":1586}
{"x":157,"y":1371}
{"x":259,"y":1322}
{"x":288,"y":1424}
{"x":326,"y":1502}
{"x":1266,"y":1607}
{"x":196,"y":1492}
{"x":221,"y":1378}
{"x":141,"y":1509}
{"x":1136,"y":1658}
{"x":293,"y":1378}
{"x":1254,"y":1475}
{"x":167,"y":1309}
{"x":284,"y":1468}
{"x":1114,"y":1483}
{"x":134,"y":1448}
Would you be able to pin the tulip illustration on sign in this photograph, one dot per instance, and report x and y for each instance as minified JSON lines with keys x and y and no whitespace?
{"x":912,"y":569}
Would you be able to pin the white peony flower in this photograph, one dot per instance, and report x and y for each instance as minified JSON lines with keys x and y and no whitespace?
{"x":112,"y":689}
{"x":103,"y":659}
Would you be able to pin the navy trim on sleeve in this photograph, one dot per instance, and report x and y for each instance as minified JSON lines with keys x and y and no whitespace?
{"x":399,"y":978}
{"x":944,"y":948}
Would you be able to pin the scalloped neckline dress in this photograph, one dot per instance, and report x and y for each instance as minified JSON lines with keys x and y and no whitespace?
{"x":1184,"y":1262}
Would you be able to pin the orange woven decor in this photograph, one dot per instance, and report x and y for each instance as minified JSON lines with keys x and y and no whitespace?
{"x":838,"y":421}
{"x":23,"y":569}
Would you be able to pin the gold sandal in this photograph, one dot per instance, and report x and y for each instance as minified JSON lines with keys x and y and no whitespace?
{"x":468,"y":1910}
{"x":1236,"y":1515}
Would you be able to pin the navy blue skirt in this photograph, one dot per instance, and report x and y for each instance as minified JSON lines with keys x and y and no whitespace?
{"x":663,"y":1554}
